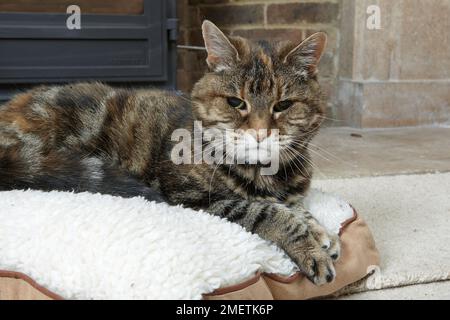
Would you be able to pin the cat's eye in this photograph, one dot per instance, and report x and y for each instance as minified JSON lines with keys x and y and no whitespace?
{"x":236,"y":103}
{"x":283,"y":105}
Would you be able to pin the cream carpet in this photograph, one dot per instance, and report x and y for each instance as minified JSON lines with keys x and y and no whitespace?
{"x":428,"y":291}
{"x":409,"y":216}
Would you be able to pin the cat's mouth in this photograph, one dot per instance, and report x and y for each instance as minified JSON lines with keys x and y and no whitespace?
{"x":258,"y":164}
{"x":263,"y":156}
{"x":241,"y":148}
{"x":257,"y":154}
{"x":249,"y":151}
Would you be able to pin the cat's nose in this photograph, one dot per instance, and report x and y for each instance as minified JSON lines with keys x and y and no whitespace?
{"x":258,"y":134}
{"x":262,"y":134}
{"x":259,"y":128}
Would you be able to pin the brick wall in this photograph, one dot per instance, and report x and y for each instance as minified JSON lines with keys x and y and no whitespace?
{"x":259,"y":19}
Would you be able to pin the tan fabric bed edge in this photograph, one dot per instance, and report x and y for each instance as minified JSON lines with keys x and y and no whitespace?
{"x":19,"y":286}
{"x":354,"y":265}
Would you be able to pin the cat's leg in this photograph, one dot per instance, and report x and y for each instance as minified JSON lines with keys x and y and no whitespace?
{"x":306,"y":242}
{"x":64,"y":172}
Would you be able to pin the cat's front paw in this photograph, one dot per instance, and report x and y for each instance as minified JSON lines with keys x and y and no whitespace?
{"x":314,"y":251}
{"x":330,"y":242}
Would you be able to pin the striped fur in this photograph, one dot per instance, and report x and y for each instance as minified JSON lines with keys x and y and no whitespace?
{"x":92,"y":137}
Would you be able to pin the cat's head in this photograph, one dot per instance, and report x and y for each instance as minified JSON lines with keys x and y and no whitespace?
{"x":261,"y":85}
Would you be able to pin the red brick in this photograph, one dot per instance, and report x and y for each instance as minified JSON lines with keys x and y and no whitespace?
{"x":188,"y":17}
{"x":200,"y":2}
{"x":233,"y":15}
{"x":293,"y":35}
{"x":186,"y":80}
{"x":195,"y":36}
{"x":183,"y":81}
{"x":191,"y":60}
{"x":287,"y":13}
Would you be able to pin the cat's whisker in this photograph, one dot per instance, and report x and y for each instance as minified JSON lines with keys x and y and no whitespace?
{"x":328,"y":153}
{"x":306,"y":144}
{"x":313,"y":151}
{"x":330,"y":119}
{"x":203,"y":151}
{"x":314,"y":166}
{"x":292,"y":169}
{"x":309,"y":161}
{"x":294,"y":161}
{"x":317,"y":152}
{"x":223,"y":160}
{"x":184,"y":98}
{"x":211,"y":180}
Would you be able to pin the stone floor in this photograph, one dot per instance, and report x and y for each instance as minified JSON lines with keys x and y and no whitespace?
{"x":347,"y":152}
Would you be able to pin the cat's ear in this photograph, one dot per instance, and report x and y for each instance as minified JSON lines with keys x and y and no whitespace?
{"x":221,"y":53}
{"x":306,"y":56}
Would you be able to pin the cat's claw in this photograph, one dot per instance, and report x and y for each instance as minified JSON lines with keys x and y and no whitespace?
{"x":315,"y":253}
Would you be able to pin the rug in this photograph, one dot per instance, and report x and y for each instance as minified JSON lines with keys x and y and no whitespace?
{"x":409,"y":216}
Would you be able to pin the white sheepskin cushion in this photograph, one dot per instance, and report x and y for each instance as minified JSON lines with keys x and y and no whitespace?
{"x":92,"y":246}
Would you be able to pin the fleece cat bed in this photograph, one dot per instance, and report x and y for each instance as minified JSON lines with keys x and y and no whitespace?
{"x":60,"y":245}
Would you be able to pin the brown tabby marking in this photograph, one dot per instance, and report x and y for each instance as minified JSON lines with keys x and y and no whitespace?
{"x":92,"y":137}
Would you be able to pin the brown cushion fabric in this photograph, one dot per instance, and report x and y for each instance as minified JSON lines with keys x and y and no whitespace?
{"x":359,"y":258}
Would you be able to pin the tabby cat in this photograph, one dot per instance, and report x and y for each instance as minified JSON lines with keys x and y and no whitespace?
{"x":92,"y":137}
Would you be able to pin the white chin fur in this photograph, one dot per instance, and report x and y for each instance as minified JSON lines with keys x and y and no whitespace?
{"x":248,"y":150}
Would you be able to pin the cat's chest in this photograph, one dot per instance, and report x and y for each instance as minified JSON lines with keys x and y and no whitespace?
{"x":271,"y":188}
